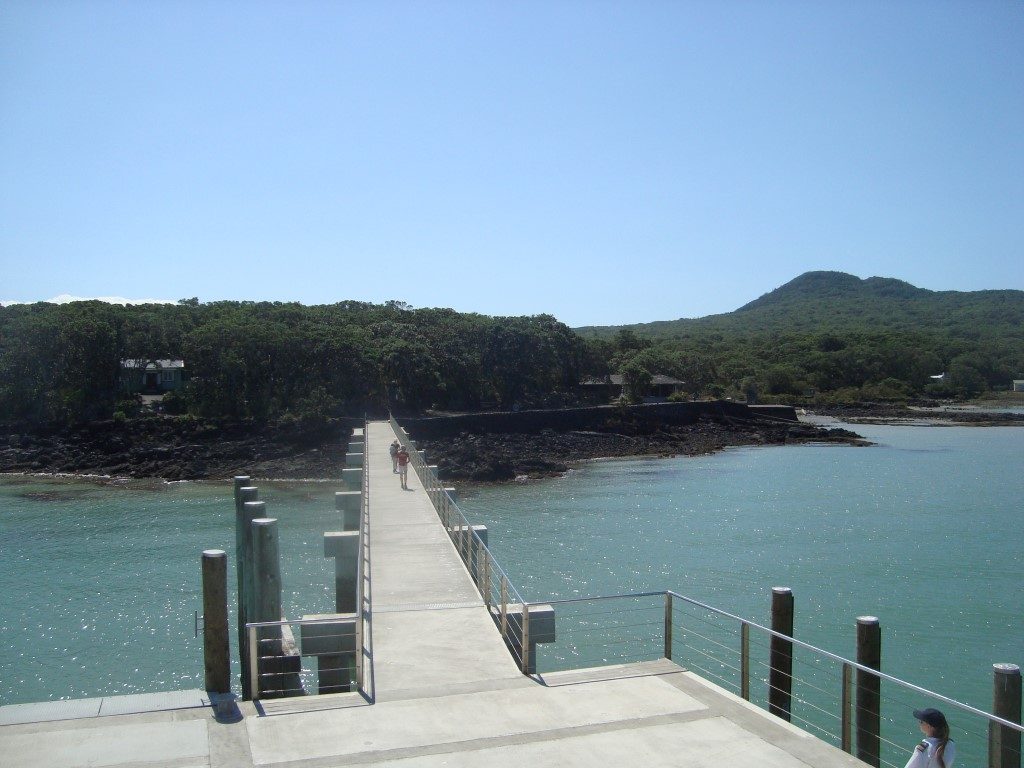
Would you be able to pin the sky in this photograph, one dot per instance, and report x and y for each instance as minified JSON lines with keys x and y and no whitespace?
{"x":603,"y":162}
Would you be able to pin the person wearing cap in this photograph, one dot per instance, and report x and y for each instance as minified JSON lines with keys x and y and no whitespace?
{"x":935,"y":750}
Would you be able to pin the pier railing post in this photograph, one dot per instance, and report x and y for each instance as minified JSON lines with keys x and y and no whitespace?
{"x":869,"y":690}
{"x":525,"y":646}
{"x":1003,"y":742}
{"x":668,"y":625}
{"x":504,"y":606}
{"x":745,"y":661}
{"x":216,"y":656}
{"x":780,"y":675}
{"x":846,"y":721}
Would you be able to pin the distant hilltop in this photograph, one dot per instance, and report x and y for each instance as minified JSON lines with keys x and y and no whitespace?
{"x":839,"y":302}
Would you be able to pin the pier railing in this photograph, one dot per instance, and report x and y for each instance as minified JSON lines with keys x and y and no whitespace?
{"x":849,"y":704}
{"x":503,"y":600}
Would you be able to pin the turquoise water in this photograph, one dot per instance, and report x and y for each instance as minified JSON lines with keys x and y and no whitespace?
{"x":101,"y":583}
{"x":922,"y":530}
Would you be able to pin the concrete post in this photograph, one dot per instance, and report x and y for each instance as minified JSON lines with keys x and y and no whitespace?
{"x":1003,"y":742}
{"x":216,"y":656}
{"x":244,"y":495}
{"x":869,"y":690}
{"x":267,"y":581}
{"x":352,"y":477}
{"x":343,"y":546}
{"x":780,"y":676}
{"x":350,"y":504}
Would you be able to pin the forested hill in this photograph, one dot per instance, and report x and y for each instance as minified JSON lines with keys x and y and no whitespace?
{"x":820,"y":302}
{"x":833,"y":334}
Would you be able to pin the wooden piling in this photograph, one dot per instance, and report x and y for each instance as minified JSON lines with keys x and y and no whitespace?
{"x":216,"y":656}
{"x":869,"y":690}
{"x":1003,"y":742}
{"x":780,"y":676}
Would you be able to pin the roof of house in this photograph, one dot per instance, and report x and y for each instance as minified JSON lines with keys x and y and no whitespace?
{"x":152,"y":365}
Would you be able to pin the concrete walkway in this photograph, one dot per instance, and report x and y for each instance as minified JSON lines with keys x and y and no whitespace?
{"x":429,"y":628}
{"x":445,"y":690}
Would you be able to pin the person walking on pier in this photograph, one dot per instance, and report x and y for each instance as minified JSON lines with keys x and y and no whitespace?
{"x":403,"y":466}
{"x":936,"y":750}
{"x":393,"y":450}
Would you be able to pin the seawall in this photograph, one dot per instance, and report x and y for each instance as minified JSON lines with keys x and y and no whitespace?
{"x":644,"y":417}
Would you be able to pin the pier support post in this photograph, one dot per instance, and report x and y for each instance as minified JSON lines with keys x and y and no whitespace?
{"x":780,"y":676}
{"x":216,"y":656}
{"x":352,"y":477}
{"x":244,"y":515}
{"x":869,"y":690}
{"x":1003,"y":742}
{"x":267,"y":579}
{"x":343,"y":546}
{"x":349,"y":503}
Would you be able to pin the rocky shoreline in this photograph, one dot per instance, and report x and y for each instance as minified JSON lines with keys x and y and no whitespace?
{"x":184,"y":448}
{"x":504,"y":457}
{"x":175,"y":448}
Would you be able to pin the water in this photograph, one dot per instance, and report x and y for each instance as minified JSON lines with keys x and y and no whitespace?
{"x":101,"y":584}
{"x":922,"y":530}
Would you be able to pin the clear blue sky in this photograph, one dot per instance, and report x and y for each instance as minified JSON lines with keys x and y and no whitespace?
{"x":604,"y":162}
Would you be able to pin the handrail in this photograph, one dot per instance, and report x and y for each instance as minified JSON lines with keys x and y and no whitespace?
{"x":364,"y":511}
{"x":799,"y":643}
{"x":431,"y":483}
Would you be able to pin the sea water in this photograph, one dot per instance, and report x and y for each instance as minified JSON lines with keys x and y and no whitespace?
{"x":922,"y":530}
{"x":101,"y":583}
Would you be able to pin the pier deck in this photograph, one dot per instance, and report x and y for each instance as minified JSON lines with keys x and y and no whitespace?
{"x":440,"y":689}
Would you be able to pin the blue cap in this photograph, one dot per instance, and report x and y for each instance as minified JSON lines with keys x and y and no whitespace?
{"x":933,"y":717}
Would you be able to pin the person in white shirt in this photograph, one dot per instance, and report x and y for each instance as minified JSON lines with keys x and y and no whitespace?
{"x":936,"y":750}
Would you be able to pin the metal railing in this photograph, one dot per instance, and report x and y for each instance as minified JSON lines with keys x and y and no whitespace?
{"x":506,"y":605}
{"x":735,"y":654}
{"x":279,"y":664}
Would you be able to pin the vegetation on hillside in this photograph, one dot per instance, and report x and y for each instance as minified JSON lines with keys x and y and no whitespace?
{"x":843,"y":338}
{"x":269,"y":361}
{"x":840,"y":336}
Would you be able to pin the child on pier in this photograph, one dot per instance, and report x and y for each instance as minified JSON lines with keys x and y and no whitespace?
{"x":936,"y":750}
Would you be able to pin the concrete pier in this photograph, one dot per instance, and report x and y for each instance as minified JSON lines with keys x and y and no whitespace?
{"x":440,"y":689}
